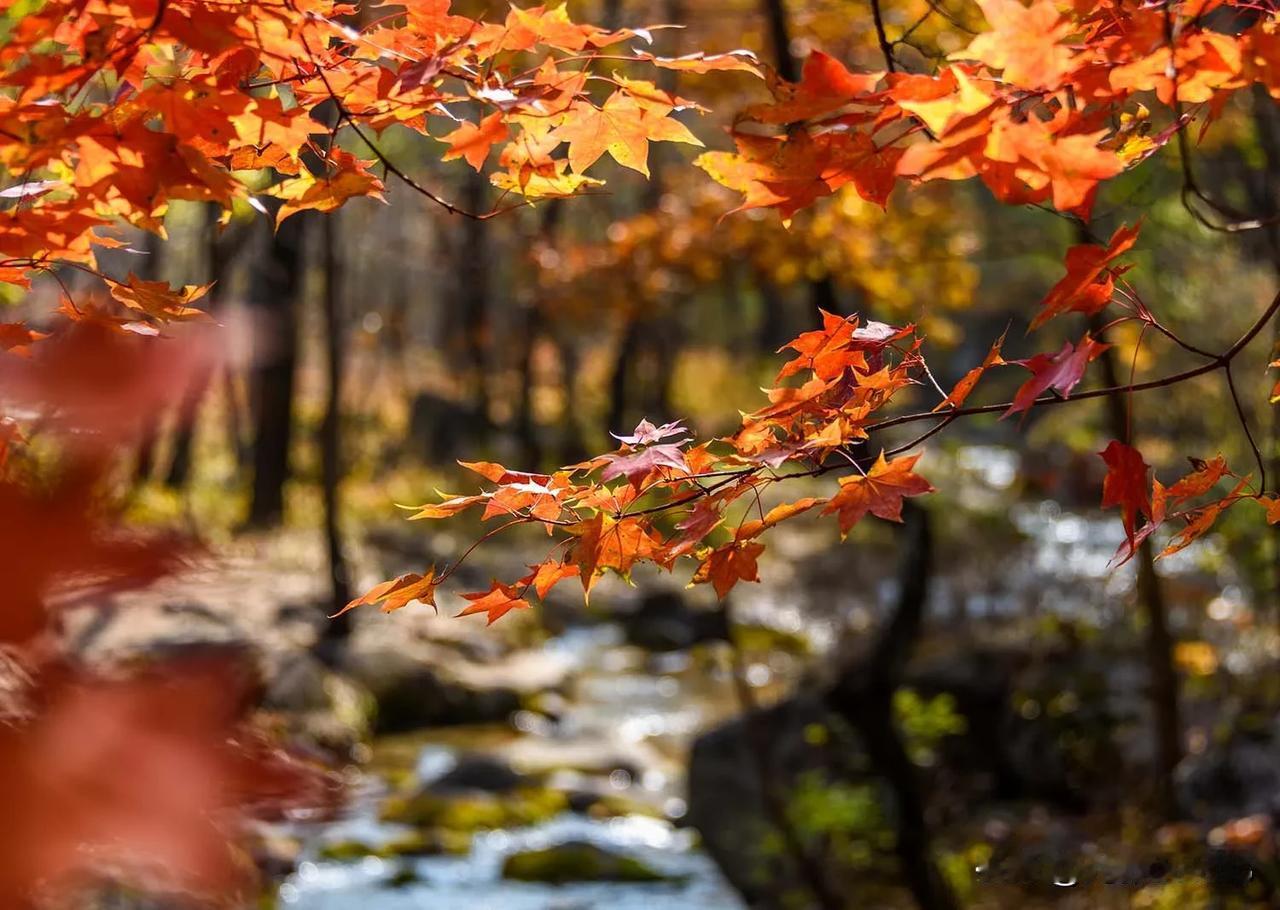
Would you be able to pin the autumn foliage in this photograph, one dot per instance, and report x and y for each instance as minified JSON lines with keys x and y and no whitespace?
{"x":114,"y":109}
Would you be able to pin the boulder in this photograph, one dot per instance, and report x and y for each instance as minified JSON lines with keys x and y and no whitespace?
{"x":474,"y":810}
{"x":431,"y":685}
{"x":665,"y":621}
{"x":577,"y":861}
{"x":478,"y":772}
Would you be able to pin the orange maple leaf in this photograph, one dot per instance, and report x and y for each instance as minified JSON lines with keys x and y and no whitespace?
{"x":398,"y":592}
{"x":623,"y":127}
{"x":725,"y":566}
{"x":497,"y":602}
{"x":880,"y":491}
{"x":473,"y":142}
{"x":1090,"y":280}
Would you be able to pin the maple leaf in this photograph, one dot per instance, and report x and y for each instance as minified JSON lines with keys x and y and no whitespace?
{"x":547,"y":575}
{"x":1089,"y":282}
{"x":159,"y":301}
{"x":473,"y":142}
{"x":1272,"y":505}
{"x":776,"y":515}
{"x":1061,"y":372}
{"x":607,"y":543}
{"x":144,"y":776}
{"x":825,"y":85}
{"x":17,"y":339}
{"x":623,"y":127}
{"x":725,"y":566}
{"x":950,"y":100}
{"x":1025,"y":42}
{"x":1201,"y":520}
{"x":701,"y":520}
{"x":702,"y":62}
{"x":99,"y":385}
{"x":880,"y":491}
{"x":636,"y":466}
{"x":646,"y":433}
{"x":1201,"y":480}
{"x":1126,"y":485}
{"x":447,"y":509}
{"x":957,"y":396}
{"x":790,"y":174}
{"x":496,"y":603}
{"x":827,"y":351}
{"x":398,"y":592}
{"x":324,"y":194}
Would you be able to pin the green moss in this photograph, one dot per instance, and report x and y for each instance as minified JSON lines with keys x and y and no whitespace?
{"x":413,"y":843}
{"x":768,"y":640}
{"x":345,"y":851}
{"x":613,"y":805}
{"x":478,"y":812}
{"x":403,"y":878}
{"x":577,"y":862}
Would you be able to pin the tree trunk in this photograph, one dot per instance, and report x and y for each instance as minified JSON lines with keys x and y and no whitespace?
{"x":1267,"y":124}
{"x":219,"y":250}
{"x":617,"y":417}
{"x":151,"y":269}
{"x":476,"y":262}
{"x":526,"y":426}
{"x":822,"y":291}
{"x":1159,"y":640}
{"x":277,"y":284}
{"x":775,"y":13}
{"x":863,"y":695}
{"x":339,"y":628}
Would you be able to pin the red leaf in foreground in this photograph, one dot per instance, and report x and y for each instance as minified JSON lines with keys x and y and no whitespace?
{"x":142,"y":779}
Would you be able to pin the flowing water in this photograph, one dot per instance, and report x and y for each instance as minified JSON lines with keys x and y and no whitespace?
{"x":653,"y":705}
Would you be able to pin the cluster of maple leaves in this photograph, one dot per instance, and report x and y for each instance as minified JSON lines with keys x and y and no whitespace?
{"x":111,"y":110}
{"x":1043,"y":108}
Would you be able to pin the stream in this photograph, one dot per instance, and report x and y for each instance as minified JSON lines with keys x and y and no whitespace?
{"x":648,"y":707}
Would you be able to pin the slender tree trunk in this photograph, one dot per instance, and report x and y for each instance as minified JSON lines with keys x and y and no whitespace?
{"x":476,"y":263}
{"x":277,"y":283}
{"x":775,"y":13}
{"x":151,"y":269}
{"x":338,"y":628}
{"x":526,"y":428}
{"x":218,"y":253}
{"x":572,"y":448}
{"x":1267,"y":124}
{"x":822,"y":291}
{"x":863,"y":695}
{"x":617,"y":418}
{"x":1159,"y":641}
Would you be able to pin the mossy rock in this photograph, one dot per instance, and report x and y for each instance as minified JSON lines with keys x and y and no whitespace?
{"x":613,"y":805}
{"x":475,"y":812}
{"x":757,"y":639}
{"x":404,"y":878}
{"x":577,"y":861}
{"x":413,"y":843}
